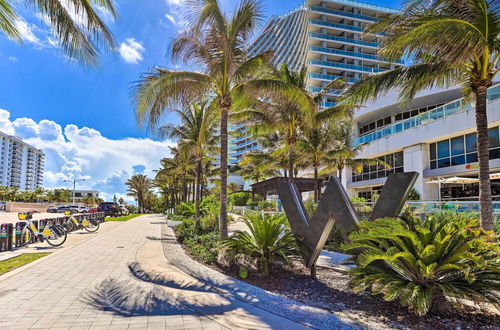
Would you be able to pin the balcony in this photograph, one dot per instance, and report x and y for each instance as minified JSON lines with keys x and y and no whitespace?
{"x":343,"y":39}
{"x":336,"y":25}
{"x":351,"y":54}
{"x":332,"y":92}
{"x":343,"y":13}
{"x":345,"y":66}
{"x":329,"y":77}
{"x":424,"y":118}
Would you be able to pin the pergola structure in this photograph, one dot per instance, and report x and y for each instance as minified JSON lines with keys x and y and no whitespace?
{"x":268,"y":187}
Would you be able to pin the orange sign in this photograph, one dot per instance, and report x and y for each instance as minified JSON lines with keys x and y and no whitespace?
{"x":471,"y":166}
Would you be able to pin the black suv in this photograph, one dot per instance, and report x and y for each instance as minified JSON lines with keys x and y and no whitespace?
{"x":109,"y":209}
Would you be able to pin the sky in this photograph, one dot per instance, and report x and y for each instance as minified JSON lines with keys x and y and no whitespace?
{"x":83,"y":117}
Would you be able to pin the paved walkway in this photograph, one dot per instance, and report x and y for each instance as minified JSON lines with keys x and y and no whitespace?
{"x":98,"y":284}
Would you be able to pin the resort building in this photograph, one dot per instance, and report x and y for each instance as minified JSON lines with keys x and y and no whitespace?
{"x":326,"y":38}
{"x":21,"y":165}
{"x":434,"y":135}
{"x":82,"y":196}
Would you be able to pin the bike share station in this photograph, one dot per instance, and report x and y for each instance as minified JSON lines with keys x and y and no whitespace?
{"x":28,"y":231}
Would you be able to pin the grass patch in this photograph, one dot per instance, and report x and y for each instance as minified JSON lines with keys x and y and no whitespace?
{"x":16,"y":262}
{"x":124,"y":218}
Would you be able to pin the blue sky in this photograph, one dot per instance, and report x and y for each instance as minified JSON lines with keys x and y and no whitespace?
{"x":84,"y":111}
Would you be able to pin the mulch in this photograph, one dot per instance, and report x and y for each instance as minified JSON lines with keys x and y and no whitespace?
{"x":331,"y":291}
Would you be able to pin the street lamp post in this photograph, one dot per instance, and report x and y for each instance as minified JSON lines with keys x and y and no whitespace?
{"x":74,"y":186}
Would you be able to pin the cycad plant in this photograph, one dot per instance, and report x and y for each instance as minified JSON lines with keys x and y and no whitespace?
{"x":268,"y":240}
{"x":426,"y":263}
{"x":76,"y":23}
{"x":450,"y":42}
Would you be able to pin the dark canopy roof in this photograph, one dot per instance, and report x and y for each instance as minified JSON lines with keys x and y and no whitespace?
{"x":268,"y":187}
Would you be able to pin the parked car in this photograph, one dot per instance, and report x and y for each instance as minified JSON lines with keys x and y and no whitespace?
{"x":52,"y":209}
{"x":109,"y":208}
{"x":123,"y":210}
{"x":83,"y":209}
{"x":93,"y":210}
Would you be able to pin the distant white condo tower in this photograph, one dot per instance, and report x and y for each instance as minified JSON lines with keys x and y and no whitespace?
{"x":21,"y":165}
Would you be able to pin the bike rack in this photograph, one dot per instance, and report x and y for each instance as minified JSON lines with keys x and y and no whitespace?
{"x":10,"y":235}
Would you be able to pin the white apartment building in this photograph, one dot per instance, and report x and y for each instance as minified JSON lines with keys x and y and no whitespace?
{"x":21,"y":165}
{"x":326,"y":38}
{"x":434,"y":135}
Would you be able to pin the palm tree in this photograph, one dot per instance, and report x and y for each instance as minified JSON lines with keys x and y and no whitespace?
{"x":257,"y":165}
{"x":196,"y":133}
{"x":314,"y":145}
{"x":344,"y":154}
{"x":217,"y":45}
{"x":451,"y":43}
{"x":139,"y":186}
{"x":290,"y":116}
{"x":79,"y":40}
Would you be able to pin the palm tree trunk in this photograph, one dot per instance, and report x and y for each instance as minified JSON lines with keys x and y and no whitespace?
{"x":224,"y":108}
{"x":291,"y":155}
{"x":316,"y":184}
{"x":197,"y":192}
{"x":340,"y":173}
{"x":485,"y":200}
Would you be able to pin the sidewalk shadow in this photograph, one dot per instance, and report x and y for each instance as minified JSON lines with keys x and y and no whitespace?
{"x":124,"y":299}
{"x":159,"y":279}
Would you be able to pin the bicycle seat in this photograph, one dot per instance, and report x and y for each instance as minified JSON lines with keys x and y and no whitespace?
{"x":25,"y":215}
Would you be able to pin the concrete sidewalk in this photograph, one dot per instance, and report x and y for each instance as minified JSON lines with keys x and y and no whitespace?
{"x":100,"y":284}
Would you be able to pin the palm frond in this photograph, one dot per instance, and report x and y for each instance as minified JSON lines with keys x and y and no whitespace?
{"x":8,"y":18}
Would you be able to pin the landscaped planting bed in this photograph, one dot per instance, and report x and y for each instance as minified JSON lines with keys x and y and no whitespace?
{"x":332,"y":291}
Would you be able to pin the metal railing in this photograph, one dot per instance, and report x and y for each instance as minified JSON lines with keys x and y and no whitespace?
{"x":425,"y":118}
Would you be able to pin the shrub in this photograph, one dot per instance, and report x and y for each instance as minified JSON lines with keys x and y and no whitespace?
{"x":209,"y":205}
{"x":204,"y":247}
{"x":240,"y":198}
{"x":268,"y":240}
{"x":185,"y":209}
{"x":267,"y":206}
{"x":426,"y":263}
{"x":202,"y":243}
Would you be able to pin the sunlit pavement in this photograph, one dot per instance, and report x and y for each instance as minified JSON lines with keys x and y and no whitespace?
{"x":99,"y":284}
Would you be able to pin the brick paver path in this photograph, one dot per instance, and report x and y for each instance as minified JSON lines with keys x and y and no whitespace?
{"x":73,"y":288}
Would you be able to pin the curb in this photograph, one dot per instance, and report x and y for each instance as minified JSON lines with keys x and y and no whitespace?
{"x":292,"y":310}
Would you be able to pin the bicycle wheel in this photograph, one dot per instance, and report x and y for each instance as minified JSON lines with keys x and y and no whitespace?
{"x":69,"y":226}
{"x":58,"y":236}
{"x":26,"y":236}
{"x":93,"y":226}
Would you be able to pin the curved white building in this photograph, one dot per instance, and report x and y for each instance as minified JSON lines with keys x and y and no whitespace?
{"x":327,"y":38}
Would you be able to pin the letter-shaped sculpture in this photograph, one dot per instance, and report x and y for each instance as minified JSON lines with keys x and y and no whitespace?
{"x":336,"y":207}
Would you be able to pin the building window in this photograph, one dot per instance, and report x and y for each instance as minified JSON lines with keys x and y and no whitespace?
{"x":371,"y":172}
{"x":462,"y":149}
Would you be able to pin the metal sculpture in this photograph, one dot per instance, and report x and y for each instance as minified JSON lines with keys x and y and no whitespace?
{"x":336,"y":208}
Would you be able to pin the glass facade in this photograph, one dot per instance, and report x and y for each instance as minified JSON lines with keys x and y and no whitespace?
{"x":424,"y":118}
{"x":461,"y":150}
{"x":371,"y":172}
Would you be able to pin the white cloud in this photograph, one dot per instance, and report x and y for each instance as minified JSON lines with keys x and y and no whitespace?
{"x":13,"y":59}
{"x":105,"y":14}
{"x":26,"y":31}
{"x":174,"y":2}
{"x":83,"y":152}
{"x":171,"y":18}
{"x":131,"y":51}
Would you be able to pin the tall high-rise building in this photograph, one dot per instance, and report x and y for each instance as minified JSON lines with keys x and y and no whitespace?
{"x":21,"y":165}
{"x":327,"y":38}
